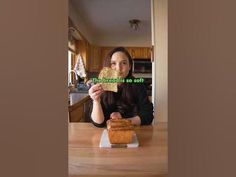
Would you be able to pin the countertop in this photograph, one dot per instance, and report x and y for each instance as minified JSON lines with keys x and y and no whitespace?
{"x":77,"y":97}
{"x":78,"y":94}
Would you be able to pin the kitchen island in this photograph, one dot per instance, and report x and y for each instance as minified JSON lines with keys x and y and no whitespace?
{"x":86,"y":158}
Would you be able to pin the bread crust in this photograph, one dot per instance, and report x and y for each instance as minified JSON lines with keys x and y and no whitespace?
{"x":120,"y":131}
{"x":119,"y":123}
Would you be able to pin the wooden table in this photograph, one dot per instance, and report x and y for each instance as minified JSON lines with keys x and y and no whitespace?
{"x":87,"y":159}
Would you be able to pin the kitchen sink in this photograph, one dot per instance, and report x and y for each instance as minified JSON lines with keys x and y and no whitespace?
{"x":81,"y":88}
{"x":79,"y":91}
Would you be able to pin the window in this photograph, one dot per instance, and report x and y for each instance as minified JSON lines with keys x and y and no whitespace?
{"x":71,"y":64}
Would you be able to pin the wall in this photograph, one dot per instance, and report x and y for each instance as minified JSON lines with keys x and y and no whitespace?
{"x":118,"y":40}
{"x":80,"y":23}
{"x":160,"y":66}
{"x":123,"y":41}
{"x":202,"y":88}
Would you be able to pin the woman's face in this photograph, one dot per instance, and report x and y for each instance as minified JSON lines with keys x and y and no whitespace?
{"x":120,"y":62}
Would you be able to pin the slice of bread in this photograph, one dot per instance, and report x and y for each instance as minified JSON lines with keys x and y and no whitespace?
{"x":108,"y":73}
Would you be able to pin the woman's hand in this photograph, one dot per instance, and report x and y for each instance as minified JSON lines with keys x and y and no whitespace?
{"x":95,"y":92}
{"x":115,"y":115}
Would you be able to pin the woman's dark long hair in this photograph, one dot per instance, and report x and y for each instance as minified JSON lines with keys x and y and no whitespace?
{"x":107,"y":61}
{"x":125,"y":90}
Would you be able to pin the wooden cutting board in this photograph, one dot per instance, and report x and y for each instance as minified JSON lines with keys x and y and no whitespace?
{"x":105,"y":143}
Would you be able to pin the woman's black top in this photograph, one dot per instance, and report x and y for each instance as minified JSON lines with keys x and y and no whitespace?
{"x":141,"y":106}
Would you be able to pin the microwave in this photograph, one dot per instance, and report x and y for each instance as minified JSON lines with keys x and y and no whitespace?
{"x":142,"y":66}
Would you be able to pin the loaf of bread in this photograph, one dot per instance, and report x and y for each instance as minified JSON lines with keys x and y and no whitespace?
{"x":120,"y":131}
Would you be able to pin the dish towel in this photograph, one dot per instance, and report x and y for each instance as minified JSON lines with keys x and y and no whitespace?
{"x":79,"y":67}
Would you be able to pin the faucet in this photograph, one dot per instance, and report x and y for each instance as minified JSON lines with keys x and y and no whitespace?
{"x":70,"y":78}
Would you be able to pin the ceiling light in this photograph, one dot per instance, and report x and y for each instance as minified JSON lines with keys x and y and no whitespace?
{"x":134,"y":24}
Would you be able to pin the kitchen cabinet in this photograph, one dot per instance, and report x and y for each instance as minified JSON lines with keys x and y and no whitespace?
{"x":135,"y":52}
{"x":139,"y":52}
{"x":95,"y":59}
{"x":79,"y":112}
{"x":98,"y":55}
{"x":83,"y":48}
{"x":76,"y":113}
{"x":105,"y":51}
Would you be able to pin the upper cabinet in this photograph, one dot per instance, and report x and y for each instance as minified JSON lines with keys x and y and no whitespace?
{"x":135,"y":52}
{"x":98,"y":55}
{"x":139,"y":52}
{"x":95,"y":59}
{"x":83,"y":48}
{"x":81,"y":45}
{"x":105,"y":51}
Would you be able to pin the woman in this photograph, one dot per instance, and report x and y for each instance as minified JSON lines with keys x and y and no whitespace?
{"x":131,"y":100}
